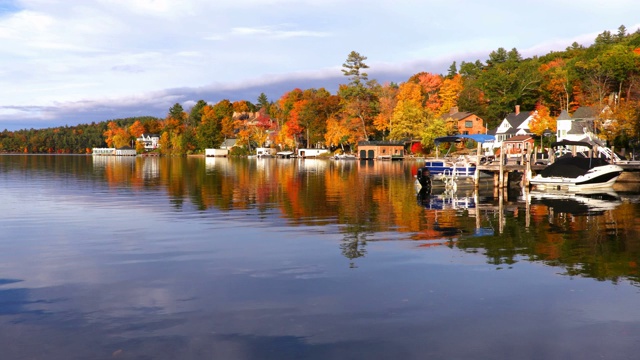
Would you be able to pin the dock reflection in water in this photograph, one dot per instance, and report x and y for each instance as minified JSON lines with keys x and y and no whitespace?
{"x":181,"y":258}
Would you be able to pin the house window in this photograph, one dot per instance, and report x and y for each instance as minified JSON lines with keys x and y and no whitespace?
{"x":465,"y":133}
{"x":468,"y":124}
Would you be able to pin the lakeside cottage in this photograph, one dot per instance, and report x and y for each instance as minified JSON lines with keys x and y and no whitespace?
{"x":223,"y":150}
{"x":467,"y":123}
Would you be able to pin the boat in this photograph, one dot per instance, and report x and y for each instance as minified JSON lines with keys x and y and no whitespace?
{"x":461,"y":167}
{"x":578,"y":171}
{"x":343,"y":157}
{"x":285,"y":154}
{"x":449,"y":169}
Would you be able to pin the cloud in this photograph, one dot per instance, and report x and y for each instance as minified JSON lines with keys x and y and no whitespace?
{"x":268,"y":32}
{"x":128,"y":68}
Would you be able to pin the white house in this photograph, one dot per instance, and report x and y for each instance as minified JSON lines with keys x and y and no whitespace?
{"x":150,"y":141}
{"x":579,"y":127}
{"x":514,"y":124}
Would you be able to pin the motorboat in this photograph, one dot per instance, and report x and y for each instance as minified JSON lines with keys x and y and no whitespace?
{"x":577,"y":171}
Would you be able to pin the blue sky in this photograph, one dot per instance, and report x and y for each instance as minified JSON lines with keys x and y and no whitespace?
{"x":69,"y":62}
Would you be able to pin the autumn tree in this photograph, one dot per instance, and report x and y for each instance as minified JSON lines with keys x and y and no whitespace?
{"x":449,"y":93}
{"x":624,"y":122}
{"x":430,"y":84}
{"x":136,"y":129}
{"x":223,"y":113}
{"x":542,"y":120}
{"x":409,"y":115}
{"x":387,"y":99}
{"x":116,"y":136}
{"x":556,"y":84}
{"x":209,"y":133}
{"x":341,"y":131}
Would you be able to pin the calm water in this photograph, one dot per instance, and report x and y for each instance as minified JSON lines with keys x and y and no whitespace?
{"x":193,"y":258}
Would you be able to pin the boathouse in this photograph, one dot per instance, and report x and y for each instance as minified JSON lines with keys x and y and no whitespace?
{"x":380,"y":150}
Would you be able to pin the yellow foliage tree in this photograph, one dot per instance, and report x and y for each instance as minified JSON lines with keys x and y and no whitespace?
{"x":449,"y":94}
{"x":542,"y":120}
{"x":340,"y":132}
{"x":409,"y":115}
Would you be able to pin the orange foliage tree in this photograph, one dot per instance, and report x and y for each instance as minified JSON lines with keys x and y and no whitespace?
{"x":116,"y":136}
{"x":387,"y":95}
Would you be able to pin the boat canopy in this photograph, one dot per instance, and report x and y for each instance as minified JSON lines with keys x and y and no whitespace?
{"x":566,"y":142}
{"x":480,"y":138}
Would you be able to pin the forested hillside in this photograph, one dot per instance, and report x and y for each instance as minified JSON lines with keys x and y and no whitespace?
{"x":605,"y":76}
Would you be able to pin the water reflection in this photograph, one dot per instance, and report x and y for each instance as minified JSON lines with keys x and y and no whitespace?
{"x":169,"y":258}
{"x":369,"y":200}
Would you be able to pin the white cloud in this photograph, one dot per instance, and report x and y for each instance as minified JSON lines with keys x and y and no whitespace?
{"x":55,"y":52}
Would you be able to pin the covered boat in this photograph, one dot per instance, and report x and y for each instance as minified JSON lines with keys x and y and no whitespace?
{"x":460,"y":167}
{"x":577,"y":171}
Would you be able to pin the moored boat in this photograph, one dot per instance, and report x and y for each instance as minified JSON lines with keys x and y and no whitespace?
{"x":577,"y":172}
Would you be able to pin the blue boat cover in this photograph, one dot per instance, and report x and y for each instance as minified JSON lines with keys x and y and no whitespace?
{"x":480,"y":138}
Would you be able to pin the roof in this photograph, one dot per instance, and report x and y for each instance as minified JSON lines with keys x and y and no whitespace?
{"x":580,"y":127}
{"x":517,"y":119}
{"x":229,"y":142}
{"x":585,"y":112}
{"x":519,"y":138}
{"x":511,"y":130}
{"x":380,"y":143}
{"x":459,"y":115}
{"x":564,"y":115}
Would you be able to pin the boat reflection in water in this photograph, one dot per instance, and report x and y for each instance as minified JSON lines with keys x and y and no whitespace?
{"x":447,"y":203}
{"x":582,"y":203}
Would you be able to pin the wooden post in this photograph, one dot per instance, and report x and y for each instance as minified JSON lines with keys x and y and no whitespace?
{"x":476,"y":175}
{"x":501,"y":174}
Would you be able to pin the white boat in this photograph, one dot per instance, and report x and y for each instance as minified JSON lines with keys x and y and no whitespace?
{"x":577,"y":173}
{"x":285,"y":154}
{"x":344,"y":157}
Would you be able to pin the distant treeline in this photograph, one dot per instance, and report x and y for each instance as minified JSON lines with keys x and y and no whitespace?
{"x":604,"y":76}
{"x":79,"y":139}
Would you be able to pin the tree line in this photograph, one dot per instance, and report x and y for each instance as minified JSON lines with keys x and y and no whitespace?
{"x":604,"y":75}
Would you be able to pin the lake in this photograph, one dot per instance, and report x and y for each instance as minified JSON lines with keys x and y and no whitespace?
{"x":215,"y":258}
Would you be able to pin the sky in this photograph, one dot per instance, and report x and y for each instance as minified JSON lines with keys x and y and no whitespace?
{"x":66,"y":62}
